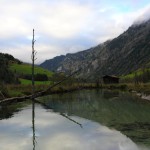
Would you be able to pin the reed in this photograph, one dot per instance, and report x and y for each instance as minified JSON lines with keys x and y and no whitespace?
{"x":21,"y":90}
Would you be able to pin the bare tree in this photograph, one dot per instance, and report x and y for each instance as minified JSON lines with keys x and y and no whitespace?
{"x":33,"y":63}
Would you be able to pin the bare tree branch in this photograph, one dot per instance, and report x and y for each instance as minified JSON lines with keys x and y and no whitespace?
{"x":38,"y":94}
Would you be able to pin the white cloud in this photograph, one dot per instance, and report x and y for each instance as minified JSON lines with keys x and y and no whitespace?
{"x":23,"y":52}
{"x":58,"y":20}
{"x":64,"y":21}
{"x":143,"y":15}
{"x":12,"y":19}
{"x":63,"y":26}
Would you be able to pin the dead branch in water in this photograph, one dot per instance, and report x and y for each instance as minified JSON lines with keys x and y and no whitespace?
{"x":62,"y":114}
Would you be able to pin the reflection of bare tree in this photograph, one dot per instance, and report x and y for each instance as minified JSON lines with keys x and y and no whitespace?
{"x":62,"y":114}
{"x":33,"y":123}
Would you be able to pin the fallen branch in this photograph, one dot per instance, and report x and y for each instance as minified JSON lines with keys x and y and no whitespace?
{"x":38,"y":94}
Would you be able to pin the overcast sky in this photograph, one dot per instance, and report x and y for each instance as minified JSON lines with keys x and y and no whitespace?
{"x":64,"y":26}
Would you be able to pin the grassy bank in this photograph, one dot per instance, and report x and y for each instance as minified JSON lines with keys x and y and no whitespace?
{"x":138,"y":76}
{"x":26,"y":89}
{"x":140,"y":88}
{"x":21,"y":90}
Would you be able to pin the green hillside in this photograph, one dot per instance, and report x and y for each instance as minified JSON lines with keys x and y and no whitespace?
{"x":140,"y":75}
{"x":23,"y":72}
{"x":26,"y":69}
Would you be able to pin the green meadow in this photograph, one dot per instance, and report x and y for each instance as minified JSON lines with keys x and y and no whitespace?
{"x":26,"y":69}
{"x":141,"y":75}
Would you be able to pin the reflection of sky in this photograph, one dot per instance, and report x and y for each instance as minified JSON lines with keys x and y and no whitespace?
{"x":58,"y":133}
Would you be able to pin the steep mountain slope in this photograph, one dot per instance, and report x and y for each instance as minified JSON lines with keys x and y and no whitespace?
{"x":126,"y":53}
{"x":54,"y":63}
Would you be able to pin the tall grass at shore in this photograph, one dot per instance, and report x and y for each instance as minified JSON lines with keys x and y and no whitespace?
{"x":20,"y":90}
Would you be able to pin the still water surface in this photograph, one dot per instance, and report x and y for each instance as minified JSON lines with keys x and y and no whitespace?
{"x":83,"y":120}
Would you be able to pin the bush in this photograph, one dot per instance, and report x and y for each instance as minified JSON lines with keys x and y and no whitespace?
{"x":41,"y":77}
{"x":37,"y":77}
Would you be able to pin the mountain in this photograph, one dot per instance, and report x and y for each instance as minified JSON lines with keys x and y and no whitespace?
{"x":122,"y":55}
{"x":53,"y":64}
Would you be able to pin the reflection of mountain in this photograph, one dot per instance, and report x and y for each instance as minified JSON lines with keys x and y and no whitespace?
{"x":110,"y":94}
{"x":33,"y":124}
{"x":121,"y":111}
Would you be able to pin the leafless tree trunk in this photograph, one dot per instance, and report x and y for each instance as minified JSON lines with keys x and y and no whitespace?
{"x":33,"y":61}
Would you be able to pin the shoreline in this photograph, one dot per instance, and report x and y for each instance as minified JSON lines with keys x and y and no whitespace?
{"x":146,"y":97}
{"x":141,"y":90}
{"x":142,"y":95}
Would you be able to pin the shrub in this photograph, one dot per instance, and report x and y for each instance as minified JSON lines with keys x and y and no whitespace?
{"x":37,"y":77}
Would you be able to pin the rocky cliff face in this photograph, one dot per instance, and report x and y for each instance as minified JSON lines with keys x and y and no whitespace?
{"x":126,"y":53}
{"x":53,"y":64}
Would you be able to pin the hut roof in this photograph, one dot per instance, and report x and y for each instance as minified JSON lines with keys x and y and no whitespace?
{"x":112,"y":76}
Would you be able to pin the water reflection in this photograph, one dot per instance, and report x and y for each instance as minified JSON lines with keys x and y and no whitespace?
{"x":57,"y":127}
{"x":33,"y":123}
{"x":62,"y":114}
{"x":56,"y":132}
{"x":108,"y":94}
{"x":120,"y":110}
{"x":7,"y":112}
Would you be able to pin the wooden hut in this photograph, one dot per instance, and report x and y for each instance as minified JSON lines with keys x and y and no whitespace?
{"x":107,"y":79}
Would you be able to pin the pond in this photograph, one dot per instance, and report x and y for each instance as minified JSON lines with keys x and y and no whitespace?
{"x":81,"y":120}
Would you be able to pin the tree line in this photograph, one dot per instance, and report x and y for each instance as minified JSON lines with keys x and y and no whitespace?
{"x":6,"y":75}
